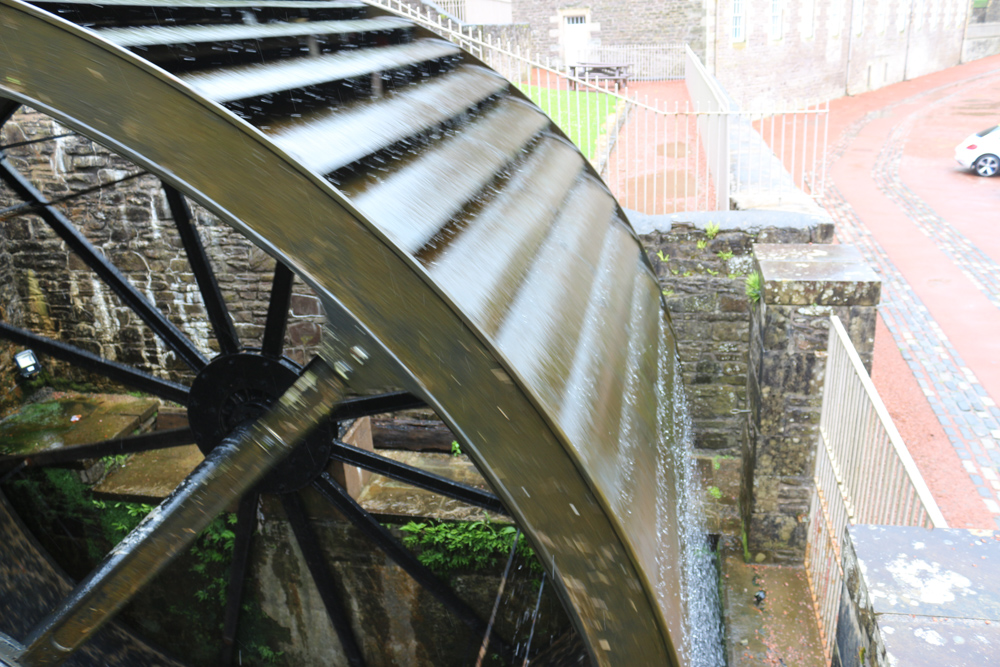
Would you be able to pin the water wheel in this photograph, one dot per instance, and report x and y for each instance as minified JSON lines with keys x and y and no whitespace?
{"x":467,"y":257}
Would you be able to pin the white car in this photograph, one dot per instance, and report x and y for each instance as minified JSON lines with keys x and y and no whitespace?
{"x":981,"y":151}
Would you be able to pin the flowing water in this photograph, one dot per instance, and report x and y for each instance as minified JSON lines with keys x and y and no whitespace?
{"x":702,"y":643}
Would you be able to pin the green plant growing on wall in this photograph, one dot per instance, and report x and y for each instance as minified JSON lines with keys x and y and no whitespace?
{"x":753,"y":286}
{"x":663,"y":258}
{"x":715,"y":492}
{"x":214,"y":545}
{"x":702,"y":244}
{"x":725,"y":255}
{"x":477,"y":545}
{"x":667,"y":293}
{"x":456,"y":449}
{"x":711,"y":230}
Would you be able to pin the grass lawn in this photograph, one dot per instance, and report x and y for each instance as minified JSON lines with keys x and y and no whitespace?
{"x":579,"y":114}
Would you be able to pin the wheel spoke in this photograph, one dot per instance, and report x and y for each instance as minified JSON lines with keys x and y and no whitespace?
{"x":36,"y":207}
{"x":416,"y":477}
{"x":177,"y":437}
{"x":228,"y":471}
{"x":366,"y":406}
{"x":31,"y":142}
{"x":113,"y":278}
{"x":215,"y":305}
{"x":322,"y":577}
{"x":367,"y":524}
{"x":277,"y":311}
{"x":245,"y":516}
{"x":133,"y":377}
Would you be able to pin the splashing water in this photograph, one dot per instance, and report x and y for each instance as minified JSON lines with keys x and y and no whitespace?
{"x":699,"y":595}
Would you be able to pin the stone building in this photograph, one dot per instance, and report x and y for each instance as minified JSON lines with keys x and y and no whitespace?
{"x":788,"y":49}
{"x":563,"y":29}
{"x":769,"y":49}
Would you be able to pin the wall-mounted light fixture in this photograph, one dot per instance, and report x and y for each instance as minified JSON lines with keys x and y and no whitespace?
{"x":27,"y":364}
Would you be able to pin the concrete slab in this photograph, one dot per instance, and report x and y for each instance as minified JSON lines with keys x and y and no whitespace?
{"x":920,"y":641}
{"x":939,"y":573}
{"x":921,"y":597}
{"x":781,"y":629}
{"x":390,"y":498}
{"x":149,"y":477}
{"x":804,"y":274}
{"x":73,"y":419}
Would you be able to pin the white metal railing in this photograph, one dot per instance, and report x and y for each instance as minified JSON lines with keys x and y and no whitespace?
{"x":982,"y":30}
{"x":661,"y":147}
{"x":795,"y":137}
{"x":455,"y":8}
{"x":713,"y":125}
{"x":648,"y":62}
{"x":864,"y":475}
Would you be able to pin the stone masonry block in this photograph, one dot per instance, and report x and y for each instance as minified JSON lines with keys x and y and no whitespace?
{"x":787,"y":456}
{"x":825,"y":275}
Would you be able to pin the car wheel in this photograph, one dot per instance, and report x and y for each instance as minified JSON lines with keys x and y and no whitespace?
{"x":987,"y":165}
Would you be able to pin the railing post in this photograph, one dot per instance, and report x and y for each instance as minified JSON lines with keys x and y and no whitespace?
{"x":801,"y":286}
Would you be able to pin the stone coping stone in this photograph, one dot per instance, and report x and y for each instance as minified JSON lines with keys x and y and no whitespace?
{"x":819,"y":228}
{"x":805,"y":274}
{"x":935,"y":593}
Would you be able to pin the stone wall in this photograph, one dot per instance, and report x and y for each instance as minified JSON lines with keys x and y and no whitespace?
{"x":131,"y":224}
{"x":615,"y":22}
{"x":801,"y":286}
{"x":703,"y":282}
{"x":10,"y":312}
{"x":831,"y":58}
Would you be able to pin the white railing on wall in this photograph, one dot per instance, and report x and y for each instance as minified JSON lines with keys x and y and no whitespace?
{"x":713,"y":123}
{"x":455,"y":8}
{"x":795,"y":137}
{"x":661,"y":147}
{"x":864,"y":475}
{"x":647,"y":62}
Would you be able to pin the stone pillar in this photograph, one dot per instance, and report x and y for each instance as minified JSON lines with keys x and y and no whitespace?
{"x":801,"y":286}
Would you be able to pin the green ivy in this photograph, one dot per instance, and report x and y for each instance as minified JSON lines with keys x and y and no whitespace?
{"x":753,"y":286}
{"x":446,"y":548}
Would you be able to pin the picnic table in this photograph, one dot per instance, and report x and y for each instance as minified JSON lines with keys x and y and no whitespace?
{"x":618,"y":73}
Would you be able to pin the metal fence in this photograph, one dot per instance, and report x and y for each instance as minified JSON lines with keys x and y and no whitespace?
{"x":864,"y":475}
{"x":647,"y":62}
{"x":662,"y":146}
{"x":455,"y":8}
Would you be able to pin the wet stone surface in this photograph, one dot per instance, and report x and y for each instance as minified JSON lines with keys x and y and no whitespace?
{"x":73,"y":419}
{"x":769,"y":614}
{"x":921,"y":597}
{"x":827,"y":275}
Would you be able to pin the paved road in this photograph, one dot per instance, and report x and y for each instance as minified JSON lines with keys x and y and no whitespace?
{"x":932,"y":231}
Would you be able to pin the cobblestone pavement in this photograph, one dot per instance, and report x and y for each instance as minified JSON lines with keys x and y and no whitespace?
{"x":969,"y":416}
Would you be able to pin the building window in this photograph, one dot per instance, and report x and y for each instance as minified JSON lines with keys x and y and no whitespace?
{"x":882,"y":16}
{"x":836,"y":16}
{"x":739,"y":21}
{"x":902,"y":15}
{"x":858,"y":16}
{"x":576,"y":20}
{"x":777,"y":19}
{"x":808,"y":18}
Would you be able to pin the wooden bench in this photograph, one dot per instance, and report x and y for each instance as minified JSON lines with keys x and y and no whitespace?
{"x":618,"y":73}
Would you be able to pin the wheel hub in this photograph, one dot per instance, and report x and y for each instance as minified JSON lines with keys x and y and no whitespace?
{"x":236,"y":389}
